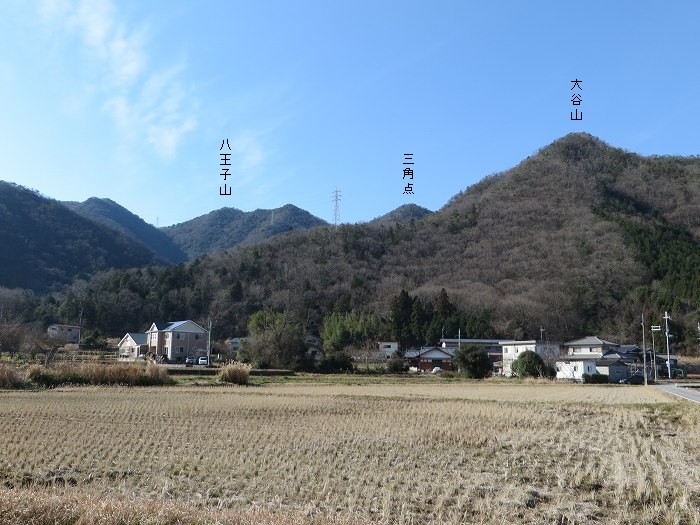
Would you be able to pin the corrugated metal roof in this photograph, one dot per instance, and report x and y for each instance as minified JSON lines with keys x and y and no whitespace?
{"x":591,"y":340}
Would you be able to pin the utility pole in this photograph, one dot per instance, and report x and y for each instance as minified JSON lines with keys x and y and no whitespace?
{"x":654,"y":328}
{"x":668,"y":346}
{"x":209,"y":343}
{"x":644,"y":352}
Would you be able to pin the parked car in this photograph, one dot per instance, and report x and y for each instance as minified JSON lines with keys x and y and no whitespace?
{"x":190,"y":360}
{"x":633,"y":380}
{"x":675,"y":373}
{"x":204,"y":360}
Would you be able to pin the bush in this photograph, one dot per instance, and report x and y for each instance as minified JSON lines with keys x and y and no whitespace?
{"x":595,"y":378}
{"x":236,"y":372}
{"x":473,"y":361}
{"x":99,"y":374}
{"x":10,"y":377}
{"x":335,"y":362}
{"x":529,"y":364}
{"x":396,"y":366}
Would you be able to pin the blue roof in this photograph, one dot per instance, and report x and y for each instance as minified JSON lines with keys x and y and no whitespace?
{"x":175,"y":324}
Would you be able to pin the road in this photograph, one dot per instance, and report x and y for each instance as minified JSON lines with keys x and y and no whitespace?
{"x":676,"y":389}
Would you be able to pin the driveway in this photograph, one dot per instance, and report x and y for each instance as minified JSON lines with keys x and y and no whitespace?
{"x":677,"y":389}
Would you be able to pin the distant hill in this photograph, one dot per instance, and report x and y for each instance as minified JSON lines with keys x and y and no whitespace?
{"x":229,"y":227}
{"x":111,"y":214}
{"x":45,"y":245}
{"x":403,"y":214}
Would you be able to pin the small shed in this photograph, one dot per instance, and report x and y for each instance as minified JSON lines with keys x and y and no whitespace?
{"x":613,"y":368}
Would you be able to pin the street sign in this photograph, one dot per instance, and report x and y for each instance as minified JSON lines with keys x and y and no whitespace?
{"x":655,"y":328}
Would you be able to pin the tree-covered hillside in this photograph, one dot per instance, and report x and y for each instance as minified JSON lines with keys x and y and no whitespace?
{"x":45,"y":245}
{"x":580,"y":238}
{"x":112,"y":215}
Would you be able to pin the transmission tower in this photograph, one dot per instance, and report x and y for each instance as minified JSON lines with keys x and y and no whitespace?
{"x":336,"y":207}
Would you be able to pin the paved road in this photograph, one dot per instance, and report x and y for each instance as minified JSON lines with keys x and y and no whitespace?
{"x":676,"y":389}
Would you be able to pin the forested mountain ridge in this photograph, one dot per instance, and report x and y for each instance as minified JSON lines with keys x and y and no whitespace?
{"x":45,"y":245}
{"x":403,"y":214}
{"x":227,"y":228}
{"x":579,"y":238}
{"x":111,"y":214}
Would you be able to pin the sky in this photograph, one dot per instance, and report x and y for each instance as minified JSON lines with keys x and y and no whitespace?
{"x":132,"y":100}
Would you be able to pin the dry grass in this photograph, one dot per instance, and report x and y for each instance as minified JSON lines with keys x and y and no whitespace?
{"x":236,"y":373}
{"x":10,"y":376}
{"x":450,"y":453}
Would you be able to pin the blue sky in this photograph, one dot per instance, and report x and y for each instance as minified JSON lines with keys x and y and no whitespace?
{"x":131,"y":100}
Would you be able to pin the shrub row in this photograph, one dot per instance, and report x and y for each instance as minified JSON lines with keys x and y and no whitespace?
{"x":98,"y":374}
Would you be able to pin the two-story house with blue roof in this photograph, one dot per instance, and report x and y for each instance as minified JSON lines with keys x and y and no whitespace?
{"x":172,"y":341}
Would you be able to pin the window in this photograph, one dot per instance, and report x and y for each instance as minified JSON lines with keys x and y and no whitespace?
{"x":177,"y":336}
{"x":575,"y":368}
{"x":196,"y":336}
{"x":167,"y":335}
{"x":70,"y":329}
{"x":181,"y":349}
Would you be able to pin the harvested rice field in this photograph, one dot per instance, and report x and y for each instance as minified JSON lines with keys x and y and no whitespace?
{"x":452,"y":452}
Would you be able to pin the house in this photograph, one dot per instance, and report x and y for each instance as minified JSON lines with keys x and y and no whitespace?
{"x":429,"y":357}
{"x":174,"y":341}
{"x":492,"y":346}
{"x":386,"y":349}
{"x":66,"y":332}
{"x":573,"y":368}
{"x":589,"y":347}
{"x":235,"y":344}
{"x":314,"y":347}
{"x":626,"y":353}
{"x":511,"y":350}
{"x":133,"y":346}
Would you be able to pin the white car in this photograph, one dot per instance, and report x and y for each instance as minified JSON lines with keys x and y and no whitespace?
{"x":204,"y":360}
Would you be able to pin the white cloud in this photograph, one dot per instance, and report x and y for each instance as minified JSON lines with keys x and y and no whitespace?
{"x":148,"y":106}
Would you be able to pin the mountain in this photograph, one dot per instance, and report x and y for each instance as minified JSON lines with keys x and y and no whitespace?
{"x":111,"y":214}
{"x":44,"y":244}
{"x":578,"y":239}
{"x":403,"y":214}
{"x":229,"y":227}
